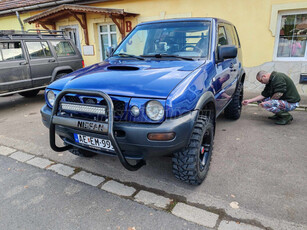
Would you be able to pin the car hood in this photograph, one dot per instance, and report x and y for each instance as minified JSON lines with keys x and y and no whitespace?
{"x":149,"y":79}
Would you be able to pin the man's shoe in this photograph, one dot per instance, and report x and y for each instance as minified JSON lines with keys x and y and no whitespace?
{"x":284,"y":118}
{"x":274,"y":117}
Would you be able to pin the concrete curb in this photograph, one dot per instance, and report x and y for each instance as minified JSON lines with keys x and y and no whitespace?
{"x":203,"y":216}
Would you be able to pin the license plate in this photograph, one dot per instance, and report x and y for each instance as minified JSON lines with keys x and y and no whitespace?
{"x":93,"y":141}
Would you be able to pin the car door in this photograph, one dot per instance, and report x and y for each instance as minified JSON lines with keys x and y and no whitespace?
{"x":14,"y":67}
{"x":67,"y":54}
{"x":42,"y":62}
{"x":220,"y":83}
{"x":234,"y":62}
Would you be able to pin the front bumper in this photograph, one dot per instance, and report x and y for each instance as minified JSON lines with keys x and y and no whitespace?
{"x":132,"y":137}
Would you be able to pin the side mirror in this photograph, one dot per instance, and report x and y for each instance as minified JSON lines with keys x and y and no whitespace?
{"x":226,"y":52}
{"x":109,"y":51}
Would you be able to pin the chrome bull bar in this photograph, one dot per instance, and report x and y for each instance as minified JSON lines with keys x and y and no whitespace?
{"x":56,"y":120}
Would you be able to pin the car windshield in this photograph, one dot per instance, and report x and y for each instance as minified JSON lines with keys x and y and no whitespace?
{"x":167,"y":40}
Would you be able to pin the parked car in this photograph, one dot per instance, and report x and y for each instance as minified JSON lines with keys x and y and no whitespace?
{"x":29,"y":61}
{"x":159,"y":93}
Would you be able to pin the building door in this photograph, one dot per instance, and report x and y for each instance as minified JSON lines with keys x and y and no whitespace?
{"x":107,"y":37}
{"x":73,"y":33}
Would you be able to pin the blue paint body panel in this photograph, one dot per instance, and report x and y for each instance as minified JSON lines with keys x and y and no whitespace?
{"x":177,"y":84}
{"x":153,"y":79}
{"x":181,"y":86}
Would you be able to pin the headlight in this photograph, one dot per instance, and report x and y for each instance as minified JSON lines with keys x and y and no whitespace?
{"x":135,"y":111}
{"x":51,"y":97}
{"x":154,"y":110}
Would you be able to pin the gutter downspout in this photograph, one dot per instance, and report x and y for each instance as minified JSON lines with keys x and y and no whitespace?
{"x":21,"y":25}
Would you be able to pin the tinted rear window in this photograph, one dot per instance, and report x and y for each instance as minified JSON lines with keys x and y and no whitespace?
{"x":63,"y":48}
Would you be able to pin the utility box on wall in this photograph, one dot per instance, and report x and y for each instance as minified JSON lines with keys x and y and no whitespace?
{"x":303,"y":78}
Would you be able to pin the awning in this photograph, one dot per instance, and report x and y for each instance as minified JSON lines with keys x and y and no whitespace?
{"x":50,"y":16}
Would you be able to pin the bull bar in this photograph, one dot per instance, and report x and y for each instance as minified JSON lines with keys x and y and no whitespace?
{"x":106,"y":97}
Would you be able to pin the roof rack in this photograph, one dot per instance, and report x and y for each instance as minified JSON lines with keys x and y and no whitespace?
{"x":33,"y":33}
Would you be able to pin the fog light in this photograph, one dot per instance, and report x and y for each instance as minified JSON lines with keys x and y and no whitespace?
{"x":161,"y":136}
{"x":135,"y":111}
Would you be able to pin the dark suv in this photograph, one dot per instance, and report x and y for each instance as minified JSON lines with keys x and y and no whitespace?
{"x":29,"y":61}
{"x":159,"y":93}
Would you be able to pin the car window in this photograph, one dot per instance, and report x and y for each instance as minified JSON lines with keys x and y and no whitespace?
{"x":222,"y":37}
{"x":38,"y":49}
{"x":11,"y":51}
{"x":63,"y":48}
{"x":230,"y":35}
{"x":236,"y":36}
{"x":186,"y":39}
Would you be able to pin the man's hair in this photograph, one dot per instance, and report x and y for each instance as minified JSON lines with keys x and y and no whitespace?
{"x":260,"y":74}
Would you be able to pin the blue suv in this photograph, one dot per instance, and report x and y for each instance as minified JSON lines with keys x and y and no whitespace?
{"x":158,"y":93}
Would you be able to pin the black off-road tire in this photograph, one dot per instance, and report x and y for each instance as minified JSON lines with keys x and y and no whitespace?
{"x":233,"y":109}
{"x":82,"y":152}
{"x":31,"y":93}
{"x":191,"y":165}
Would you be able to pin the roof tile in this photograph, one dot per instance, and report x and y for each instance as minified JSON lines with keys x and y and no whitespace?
{"x":12,"y":4}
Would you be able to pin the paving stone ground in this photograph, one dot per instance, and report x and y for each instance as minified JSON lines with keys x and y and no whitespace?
{"x":88,"y":178}
{"x":118,"y":188}
{"x":150,"y":198}
{"x":21,"y":156}
{"x":6,"y":150}
{"x":61,"y":169}
{"x":40,"y":162}
{"x":195,"y":215}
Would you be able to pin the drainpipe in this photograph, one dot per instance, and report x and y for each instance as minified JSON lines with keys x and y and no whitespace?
{"x":22,"y":28}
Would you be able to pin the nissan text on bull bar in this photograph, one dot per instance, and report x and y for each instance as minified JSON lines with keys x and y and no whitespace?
{"x":158,"y":93}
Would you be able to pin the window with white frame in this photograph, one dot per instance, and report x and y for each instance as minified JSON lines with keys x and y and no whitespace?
{"x":107,"y":37}
{"x":292,"y":36}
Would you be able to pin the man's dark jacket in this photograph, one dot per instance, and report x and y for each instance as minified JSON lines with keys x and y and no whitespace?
{"x":281,"y":83}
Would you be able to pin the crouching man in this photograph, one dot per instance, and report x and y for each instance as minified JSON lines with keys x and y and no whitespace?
{"x":279,"y":96}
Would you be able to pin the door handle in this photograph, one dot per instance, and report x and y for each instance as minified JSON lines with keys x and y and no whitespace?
{"x":23,"y":63}
{"x":51,"y":60}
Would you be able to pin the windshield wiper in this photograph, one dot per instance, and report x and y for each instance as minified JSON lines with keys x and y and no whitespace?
{"x":129,"y":55}
{"x":168,"y":55}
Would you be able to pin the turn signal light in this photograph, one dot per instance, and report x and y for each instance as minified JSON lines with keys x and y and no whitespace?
{"x":161,"y":136}
{"x":83,"y":64}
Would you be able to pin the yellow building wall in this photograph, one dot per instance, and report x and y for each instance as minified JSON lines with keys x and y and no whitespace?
{"x":11,"y":22}
{"x":252,"y":19}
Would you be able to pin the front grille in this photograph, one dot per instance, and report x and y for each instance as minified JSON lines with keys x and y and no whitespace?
{"x":74,"y":99}
{"x":88,"y":100}
{"x":119,"y":106}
